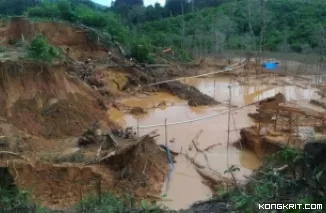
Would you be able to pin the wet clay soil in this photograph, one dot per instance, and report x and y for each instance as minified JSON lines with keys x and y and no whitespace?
{"x":186,"y":185}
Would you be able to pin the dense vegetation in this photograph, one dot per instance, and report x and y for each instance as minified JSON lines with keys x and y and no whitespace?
{"x":281,"y":186}
{"x":207,"y":26}
{"x":287,"y":25}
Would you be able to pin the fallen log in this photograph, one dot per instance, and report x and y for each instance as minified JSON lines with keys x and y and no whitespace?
{"x":209,"y":174}
{"x":213,"y":176}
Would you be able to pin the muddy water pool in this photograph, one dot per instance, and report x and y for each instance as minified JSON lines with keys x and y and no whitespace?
{"x":186,"y":185}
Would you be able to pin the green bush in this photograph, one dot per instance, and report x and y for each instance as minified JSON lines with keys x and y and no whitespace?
{"x":150,"y":59}
{"x":107,"y":204}
{"x":40,"y":50}
{"x":13,"y":202}
{"x":140,"y":53}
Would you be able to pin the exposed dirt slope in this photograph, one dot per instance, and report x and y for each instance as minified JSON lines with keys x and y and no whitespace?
{"x":44,"y":100}
{"x":58,"y":34}
{"x":139,"y":173}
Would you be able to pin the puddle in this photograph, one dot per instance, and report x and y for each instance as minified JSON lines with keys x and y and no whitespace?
{"x":186,"y":186}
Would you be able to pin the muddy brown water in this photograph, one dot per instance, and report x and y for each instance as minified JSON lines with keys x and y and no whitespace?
{"x":186,"y":185}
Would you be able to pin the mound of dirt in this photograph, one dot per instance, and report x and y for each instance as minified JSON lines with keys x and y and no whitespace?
{"x":139,"y":164}
{"x":43,"y":100}
{"x":73,"y":40}
{"x":62,"y":119}
{"x":138,"y":168}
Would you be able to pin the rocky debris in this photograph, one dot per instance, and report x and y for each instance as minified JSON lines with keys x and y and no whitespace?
{"x":128,"y":133}
{"x":87,"y":138}
{"x":96,"y":135}
{"x":105,"y":92}
{"x":93,"y":81}
{"x":137,"y":111}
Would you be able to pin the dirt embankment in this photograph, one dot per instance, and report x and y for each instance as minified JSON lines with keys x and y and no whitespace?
{"x":52,"y":108}
{"x":43,"y":100}
{"x":137,"y":170}
{"x":76,"y":43}
{"x":73,"y":40}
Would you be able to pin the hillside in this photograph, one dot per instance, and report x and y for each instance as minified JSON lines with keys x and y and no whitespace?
{"x":107,"y":111}
{"x":283,"y":26}
{"x":290,"y":25}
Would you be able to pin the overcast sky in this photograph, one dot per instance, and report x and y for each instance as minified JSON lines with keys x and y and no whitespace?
{"x":146,"y":2}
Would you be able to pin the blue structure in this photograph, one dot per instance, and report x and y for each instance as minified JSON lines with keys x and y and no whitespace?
{"x":270,"y":65}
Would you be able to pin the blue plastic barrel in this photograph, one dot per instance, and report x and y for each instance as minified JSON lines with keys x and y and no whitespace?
{"x":270,"y":65}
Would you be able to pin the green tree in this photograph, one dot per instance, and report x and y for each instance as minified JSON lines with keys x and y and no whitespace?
{"x":40,"y":50}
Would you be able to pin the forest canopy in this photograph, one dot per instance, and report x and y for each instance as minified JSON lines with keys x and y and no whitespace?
{"x":195,"y":26}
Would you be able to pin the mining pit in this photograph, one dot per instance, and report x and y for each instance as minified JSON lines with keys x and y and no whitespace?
{"x":73,"y":129}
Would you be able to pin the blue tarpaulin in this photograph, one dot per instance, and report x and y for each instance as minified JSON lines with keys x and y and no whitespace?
{"x":270,"y":65}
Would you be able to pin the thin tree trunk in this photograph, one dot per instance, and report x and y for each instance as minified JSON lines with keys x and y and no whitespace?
{"x":183,"y":24}
{"x":262,"y":29}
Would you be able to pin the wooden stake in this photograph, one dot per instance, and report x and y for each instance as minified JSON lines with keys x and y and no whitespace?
{"x":166,"y":132}
{"x":297,"y":125}
{"x":291,"y":126}
{"x":323,"y":127}
{"x":138,"y":127}
{"x":229,"y":117}
{"x":275,"y":122}
{"x":214,"y":86}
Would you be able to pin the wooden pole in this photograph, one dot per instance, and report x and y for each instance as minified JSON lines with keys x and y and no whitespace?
{"x":297,"y":125}
{"x":291,"y":120}
{"x":214,"y":86}
{"x":323,"y":127}
{"x":229,"y":117}
{"x":166,"y":132}
{"x":137,"y":127}
{"x":275,"y":122}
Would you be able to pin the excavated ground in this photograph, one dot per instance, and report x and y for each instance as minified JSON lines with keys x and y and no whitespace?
{"x":45,"y":109}
{"x":77,"y":44}
{"x":43,"y":112}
